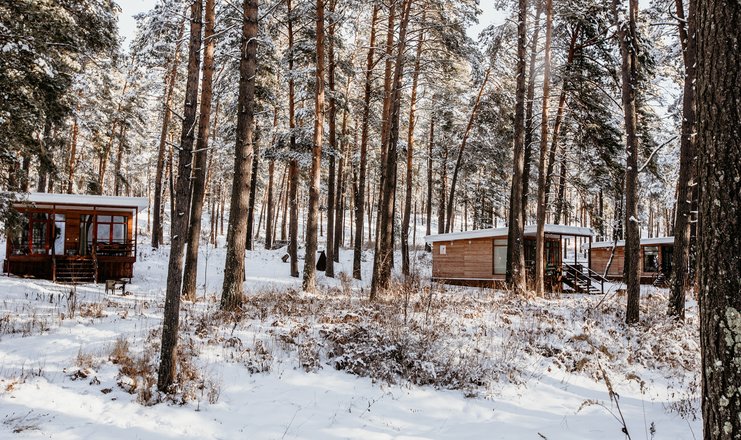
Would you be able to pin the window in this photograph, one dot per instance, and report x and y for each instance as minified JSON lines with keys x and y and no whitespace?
{"x":500,"y":256}
{"x":552,"y":254}
{"x":32,"y":234}
{"x":651,"y":259}
{"x":112,"y":229}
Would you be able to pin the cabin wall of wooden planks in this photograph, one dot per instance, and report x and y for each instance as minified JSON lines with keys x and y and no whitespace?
{"x":469,"y":258}
{"x":601,"y":256}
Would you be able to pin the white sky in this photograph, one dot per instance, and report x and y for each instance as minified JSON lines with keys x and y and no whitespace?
{"x":129,"y":8}
{"x":126,"y":23}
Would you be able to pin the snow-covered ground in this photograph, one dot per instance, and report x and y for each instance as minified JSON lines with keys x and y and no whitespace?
{"x":440,"y":363}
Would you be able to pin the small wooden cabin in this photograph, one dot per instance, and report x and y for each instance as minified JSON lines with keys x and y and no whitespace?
{"x":73,"y":238}
{"x":480,"y":257}
{"x":655,"y":258}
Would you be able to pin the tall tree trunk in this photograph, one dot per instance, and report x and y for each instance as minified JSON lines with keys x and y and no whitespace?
{"x":170,"y":79}
{"x":382,"y":262}
{"x":560,"y":115}
{"x":72,"y":156}
{"x":200,"y":158}
{"x":430,"y":146}
{"x":719,"y":233}
{"x":560,"y":201}
{"x":170,"y":324}
{"x":293,"y":171}
{"x":116,"y":125}
{"x":117,"y":177}
{"x":360,"y":194}
{"x":628,"y":40}
{"x":249,"y":239}
{"x":515,"y":235}
{"x":332,"y":120}
{"x":271,"y":207}
{"x":232,"y":292}
{"x":309,"y":281}
{"x":385,"y":115}
{"x":339,"y":221}
{"x":410,"y":157}
{"x":459,"y":160}
{"x":687,"y":168}
{"x":443,"y":190}
{"x":542,"y":166}
{"x":529,"y":117}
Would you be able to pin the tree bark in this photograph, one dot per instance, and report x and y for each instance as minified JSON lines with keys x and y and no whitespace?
{"x":168,"y":359}
{"x":170,"y":79}
{"x":271,"y":208}
{"x":382,"y":262}
{"x":443,"y":190}
{"x":719,"y":233}
{"x":360,"y":194}
{"x":72,"y":157}
{"x":559,"y":116}
{"x":459,"y":160}
{"x":516,"y":229}
{"x":293,"y":172}
{"x":309,"y":281}
{"x":249,"y":239}
{"x":687,"y":168}
{"x":542,"y":166}
{"x":332,"y":140}
{"x":339,"y":221}
{"x":232,"y":292}
{"x":410,"y":157}
{"x":430,"y":146}
{"x":529,"y":117}
{"x":117,"y":178}
{"x":385,"y":115}
{"x":628,"y":40}
{"x":200,"y":156}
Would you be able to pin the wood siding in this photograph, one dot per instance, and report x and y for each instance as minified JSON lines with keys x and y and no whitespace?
{"x":471,"y":259}
{"x":600,"y":257}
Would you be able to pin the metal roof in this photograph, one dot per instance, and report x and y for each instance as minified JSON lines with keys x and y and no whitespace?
{"x":502,"y":232}
{"x":36,"y":198}
{"x":644,"y":241}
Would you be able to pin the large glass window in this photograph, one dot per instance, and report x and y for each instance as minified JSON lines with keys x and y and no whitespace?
{"x":500,"y":256}
{"x":552,"y":254}
{"x":650,"y":259}
{"x":31,"y":236}
{"x":111,"y":229}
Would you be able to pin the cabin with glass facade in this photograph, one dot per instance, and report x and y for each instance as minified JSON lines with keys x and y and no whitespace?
{"x":655,"y":259}
{"x":73,"y":238}
{"x":479,"y":257}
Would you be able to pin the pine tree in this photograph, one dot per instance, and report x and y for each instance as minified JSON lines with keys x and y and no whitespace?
{"x":719,"y":243}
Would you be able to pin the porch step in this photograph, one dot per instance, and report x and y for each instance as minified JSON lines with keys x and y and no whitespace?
{"x":76,"y":271}
{"x":578,"y":279}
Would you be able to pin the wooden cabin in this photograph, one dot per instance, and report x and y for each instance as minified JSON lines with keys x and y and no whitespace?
{"x":655,"y":259}
{"x":480,"y":257}
{"x":73,"y":238}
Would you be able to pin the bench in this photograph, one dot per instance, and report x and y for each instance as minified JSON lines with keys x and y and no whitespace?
{"x":111,"y":285}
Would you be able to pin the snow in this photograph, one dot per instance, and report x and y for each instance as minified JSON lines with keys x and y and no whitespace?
{"x":533,"y":348}
{"x":644,"y":241}
{"x":530,"y":230}
{"x":37,"y":198}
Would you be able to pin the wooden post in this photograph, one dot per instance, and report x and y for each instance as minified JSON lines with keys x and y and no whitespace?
{"x":53,"y":249}
{"x":136,"y":229}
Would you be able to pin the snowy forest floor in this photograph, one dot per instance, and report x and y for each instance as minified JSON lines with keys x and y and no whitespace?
{"x":428,"y":362}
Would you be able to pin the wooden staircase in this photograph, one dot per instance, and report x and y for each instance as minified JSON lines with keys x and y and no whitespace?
{"x":580,"y":279}
{"x":75,"y":270}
